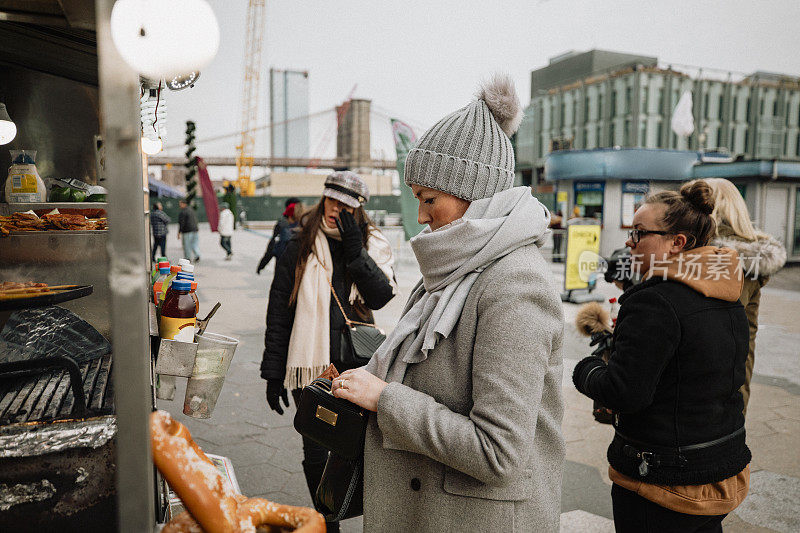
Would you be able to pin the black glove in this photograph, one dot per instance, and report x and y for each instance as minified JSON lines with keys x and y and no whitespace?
{"x":351,"y":235}
{"x":276,"y":391}
{"x":263,"y":263}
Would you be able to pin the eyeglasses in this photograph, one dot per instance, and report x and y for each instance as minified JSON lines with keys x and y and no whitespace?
{"x":636,"y":235}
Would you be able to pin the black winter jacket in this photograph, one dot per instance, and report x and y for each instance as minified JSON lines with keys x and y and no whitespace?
{"x":673,"y":378}
{"x":370,"y":280}
{"x":187,"y":220}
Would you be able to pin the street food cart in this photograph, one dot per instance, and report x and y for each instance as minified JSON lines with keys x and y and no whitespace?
{"x":74,"y":447}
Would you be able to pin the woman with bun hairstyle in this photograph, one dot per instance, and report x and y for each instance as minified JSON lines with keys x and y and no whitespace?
{"x":466,"y":391}
{"x":678,"y":460}
{"x":761,"y":256}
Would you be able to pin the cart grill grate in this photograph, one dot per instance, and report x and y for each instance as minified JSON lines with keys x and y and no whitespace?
{"x":48,"y":396}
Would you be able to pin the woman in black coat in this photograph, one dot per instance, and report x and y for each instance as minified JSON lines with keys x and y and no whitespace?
{"x":338,"y":249}
{"x":678,"y":459}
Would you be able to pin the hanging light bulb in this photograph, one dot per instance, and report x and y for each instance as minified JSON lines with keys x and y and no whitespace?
{"x":158,"y":39}
{"x":8,"y":130}
{"x":151,"y":146}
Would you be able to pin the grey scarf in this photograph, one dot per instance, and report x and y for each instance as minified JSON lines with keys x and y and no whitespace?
{"x":451,"y":259}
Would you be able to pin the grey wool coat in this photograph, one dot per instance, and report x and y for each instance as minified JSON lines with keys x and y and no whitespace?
{"x":471,"y":440}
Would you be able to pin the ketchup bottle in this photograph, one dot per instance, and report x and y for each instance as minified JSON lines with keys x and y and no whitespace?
{"x":178,"y":313}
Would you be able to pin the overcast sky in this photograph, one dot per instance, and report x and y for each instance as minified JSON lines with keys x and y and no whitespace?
{"x":420,"y":60}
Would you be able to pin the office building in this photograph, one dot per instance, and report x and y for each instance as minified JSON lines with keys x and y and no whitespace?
{"x":601,"y":99}
{"x":288,"y":104}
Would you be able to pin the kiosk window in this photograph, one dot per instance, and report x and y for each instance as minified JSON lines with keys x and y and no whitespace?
{"x":589,"y":199}
{"x":633,"y":195}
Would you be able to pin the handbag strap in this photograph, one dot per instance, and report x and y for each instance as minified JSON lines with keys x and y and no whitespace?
{"x":350,"y":323}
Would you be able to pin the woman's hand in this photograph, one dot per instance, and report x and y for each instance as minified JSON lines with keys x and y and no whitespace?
{"x":360,"y":387}
{"x":351,"y":235}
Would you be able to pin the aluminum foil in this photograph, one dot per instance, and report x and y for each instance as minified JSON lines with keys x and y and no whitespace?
{"x":18,"y":493}
{"x":47,"y":331}
{"x":28,"y":440}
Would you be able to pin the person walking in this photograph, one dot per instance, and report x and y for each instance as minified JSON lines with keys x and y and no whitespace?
{"x":760,"y":256}
{"x":337,"y":250}
{"x":282,"y":233}
{"x":225,"y":230}
{"x":187,"y":232}
{"x":466,"y":391}
{"x":679,"y":458}
{"x":158,"y":224}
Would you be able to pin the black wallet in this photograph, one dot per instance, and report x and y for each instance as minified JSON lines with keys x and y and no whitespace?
{"x":334,"y":423}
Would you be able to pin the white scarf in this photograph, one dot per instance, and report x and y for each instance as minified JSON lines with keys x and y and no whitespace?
{"x":310,"y":341}
{"x":451,"y":259}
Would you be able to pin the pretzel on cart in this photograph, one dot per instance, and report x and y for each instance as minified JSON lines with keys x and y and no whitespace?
{"x":212,"y":505}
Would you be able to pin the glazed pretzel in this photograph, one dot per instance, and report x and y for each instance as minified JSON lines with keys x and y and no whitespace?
{"x":212,"y":506}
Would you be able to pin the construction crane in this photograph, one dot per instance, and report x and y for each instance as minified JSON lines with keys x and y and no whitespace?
{"x":251,"y":89}
{"x":341,"y":111}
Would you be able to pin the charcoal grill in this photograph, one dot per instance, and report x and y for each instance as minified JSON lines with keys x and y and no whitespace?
{"x":57,"y":446}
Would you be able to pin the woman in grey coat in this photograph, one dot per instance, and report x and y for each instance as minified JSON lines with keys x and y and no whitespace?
{"x":466,"y":391}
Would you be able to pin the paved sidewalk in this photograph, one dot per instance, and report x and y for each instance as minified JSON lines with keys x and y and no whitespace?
{"x":266,"y":451}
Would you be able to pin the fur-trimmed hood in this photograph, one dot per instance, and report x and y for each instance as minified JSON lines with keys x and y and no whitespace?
{"x":760,"y":258}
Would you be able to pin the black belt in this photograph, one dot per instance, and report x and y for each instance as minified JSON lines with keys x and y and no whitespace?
{"x":672,"y":457}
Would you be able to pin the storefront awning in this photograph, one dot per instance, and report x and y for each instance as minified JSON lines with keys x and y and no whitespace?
{"x":620,"y":164}
{"x":161,"y":189}
{"x":765,"y":169}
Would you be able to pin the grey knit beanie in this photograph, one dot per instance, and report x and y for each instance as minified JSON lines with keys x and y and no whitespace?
{"x":468,"y":153}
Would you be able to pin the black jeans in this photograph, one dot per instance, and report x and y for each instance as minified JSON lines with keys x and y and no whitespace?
{"x":225,"y":242}
{"x":159,"y":242}
{"x":314,"y":459}
{"x":634,"y":514}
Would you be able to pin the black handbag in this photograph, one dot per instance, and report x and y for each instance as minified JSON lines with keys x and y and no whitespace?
{"x":334,"y":423}
{"x":340,"y":427}
{"x":340,"y":494}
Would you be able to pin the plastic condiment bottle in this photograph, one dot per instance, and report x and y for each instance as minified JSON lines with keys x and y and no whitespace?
{"x":163,"y":272}
{"x":194,"y":295}
{"x":190,"y":277}
{"x":181,"y":275}
{"x":24,"y":185}
{"x":178,"y":313}
{"x":156,"y":266}
{"x":173,"y":272}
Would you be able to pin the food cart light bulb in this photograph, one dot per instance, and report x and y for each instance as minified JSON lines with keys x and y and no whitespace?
{"x":151,"y":146}
{"x":8,"y":130}
{"x":158,"y":39}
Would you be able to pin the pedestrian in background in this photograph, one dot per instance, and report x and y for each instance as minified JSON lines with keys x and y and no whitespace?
{"x":158,"y":225}
{"x":760,"y":255}
{"x":282,"y":233}
{"x":678,"y":460}
{"x":338,"y":258}
{"x":225,"y":229}
{"x":467,"y":388}
{"x":187,"y":232}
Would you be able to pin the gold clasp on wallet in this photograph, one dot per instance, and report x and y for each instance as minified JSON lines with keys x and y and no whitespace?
{"x":326,"y":415}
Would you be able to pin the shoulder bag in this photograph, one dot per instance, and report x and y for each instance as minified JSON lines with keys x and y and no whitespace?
{"x":340,"y":427}
{"x":359,"y":340}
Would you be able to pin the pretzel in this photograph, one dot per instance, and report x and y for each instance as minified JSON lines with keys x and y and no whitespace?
{"x":212,"y":505}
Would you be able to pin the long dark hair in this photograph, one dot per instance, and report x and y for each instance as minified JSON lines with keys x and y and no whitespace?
{"x":309,"y":224}
{"x":688,"y":211}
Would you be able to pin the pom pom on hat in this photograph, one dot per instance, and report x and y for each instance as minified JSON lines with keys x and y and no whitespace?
{"x":502,"y":100}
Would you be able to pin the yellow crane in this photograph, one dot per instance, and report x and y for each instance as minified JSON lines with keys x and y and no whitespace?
{"x":251,"y":89}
